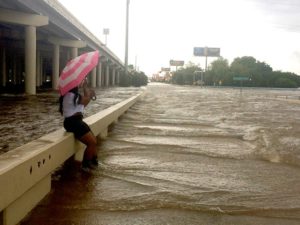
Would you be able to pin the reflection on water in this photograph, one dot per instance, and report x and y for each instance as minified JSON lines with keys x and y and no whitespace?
{"x":190,"y":155}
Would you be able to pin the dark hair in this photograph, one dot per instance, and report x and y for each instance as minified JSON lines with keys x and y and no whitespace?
{"x":61,"y":98}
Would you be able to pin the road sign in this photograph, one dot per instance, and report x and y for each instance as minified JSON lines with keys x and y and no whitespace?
{"x":198,"y":51}
{"x":213,"y":52}
{"x":205,"y":51}
{"x":165,"y":69}
{"x":105,"y":31}
{"x":176,"y":63}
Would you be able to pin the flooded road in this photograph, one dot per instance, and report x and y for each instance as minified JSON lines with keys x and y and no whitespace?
{"x":26,"y":118}
{"x":189,"y":155}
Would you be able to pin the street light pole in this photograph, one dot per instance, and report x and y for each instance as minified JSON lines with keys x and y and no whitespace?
{"x":106,"y":32}
{"x":126,"y":38}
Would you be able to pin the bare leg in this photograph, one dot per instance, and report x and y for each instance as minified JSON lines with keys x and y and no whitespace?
{"x":91,"y":145}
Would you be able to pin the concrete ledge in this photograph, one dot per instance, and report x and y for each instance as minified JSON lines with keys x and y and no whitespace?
{"x":24,"y":168}
{"x":16,"y":211}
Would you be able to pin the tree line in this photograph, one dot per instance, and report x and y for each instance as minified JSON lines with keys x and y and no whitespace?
{"x":133,"y":78}
{"x":253,"y":72}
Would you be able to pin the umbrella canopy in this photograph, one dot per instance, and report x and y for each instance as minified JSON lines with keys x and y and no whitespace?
{"x":76,"y":70}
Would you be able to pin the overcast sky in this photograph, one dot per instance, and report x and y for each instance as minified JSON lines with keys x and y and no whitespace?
{"x":161,"y":30}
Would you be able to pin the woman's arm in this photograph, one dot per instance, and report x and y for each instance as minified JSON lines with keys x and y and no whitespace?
{"x":88,"y":94}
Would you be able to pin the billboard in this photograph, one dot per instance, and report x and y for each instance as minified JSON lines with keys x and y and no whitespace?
{"x":176,"y":63}
{"x":198,"y":51}
{"x":205,"y":51}
{"x":213,"y":52}
{"x":105,"y":31}
{"x":165,"y":69}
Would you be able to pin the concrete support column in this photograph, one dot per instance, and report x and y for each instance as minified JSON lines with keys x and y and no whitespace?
{"x":42,"y":71}
{"x":44,"y":75}
{"x":55,"y":67}
{"x":30,"y":60}
{"x":103,"y":75}
{"x":73,"y":45}
{"x":107,"y":76}
{"x":94,"y":76}
{"x":74,"y":52}
{"x":19,"y":71}
{"x":118,"y":78}
{"x":99,"y":74}
{"x":68,"y":56}
{"x":113,"y":76}
{"x":14,"y":71}
{"x":38,"y":69}
{"x":3,"y":62}
{"x":30,"y":22}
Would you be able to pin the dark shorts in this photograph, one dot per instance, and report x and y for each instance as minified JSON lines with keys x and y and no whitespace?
{"x":76,"y":125}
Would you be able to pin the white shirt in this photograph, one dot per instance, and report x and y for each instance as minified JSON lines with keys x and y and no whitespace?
{"x":69,"y":108}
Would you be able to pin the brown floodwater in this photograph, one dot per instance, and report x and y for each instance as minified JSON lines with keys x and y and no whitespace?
{"x":186,"y":155}
{"x":26,"y":118}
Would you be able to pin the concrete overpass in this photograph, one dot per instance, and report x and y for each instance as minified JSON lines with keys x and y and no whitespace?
{"x":38,"y":38}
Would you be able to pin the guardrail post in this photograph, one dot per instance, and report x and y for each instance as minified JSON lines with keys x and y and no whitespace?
{"x":18,"y":209}
{"x":79,"y":151}
{"x":104,"y":133}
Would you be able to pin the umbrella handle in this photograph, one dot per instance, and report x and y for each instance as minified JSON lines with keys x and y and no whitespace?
{"x":94,"y":97}
{"x":87,"y":86}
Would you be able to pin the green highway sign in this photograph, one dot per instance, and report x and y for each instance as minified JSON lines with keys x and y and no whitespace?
{"x":176,"y":63}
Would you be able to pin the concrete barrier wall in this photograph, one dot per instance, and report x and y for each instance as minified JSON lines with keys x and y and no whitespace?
{"x":25,"y":172}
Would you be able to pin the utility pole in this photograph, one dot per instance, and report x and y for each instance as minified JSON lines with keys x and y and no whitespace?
{"x":126,"y":38}
{"x":106,"y":32}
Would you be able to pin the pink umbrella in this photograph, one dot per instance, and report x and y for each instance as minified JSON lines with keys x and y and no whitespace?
{"x":76,"y":70}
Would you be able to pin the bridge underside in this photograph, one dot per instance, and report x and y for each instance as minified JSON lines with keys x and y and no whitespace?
{"x":38,"y":38}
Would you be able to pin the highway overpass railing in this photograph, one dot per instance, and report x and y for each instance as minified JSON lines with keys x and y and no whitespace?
{"x":25,"y":172}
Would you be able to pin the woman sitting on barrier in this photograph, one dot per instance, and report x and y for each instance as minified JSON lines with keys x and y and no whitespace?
{"x":71,"y":106}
